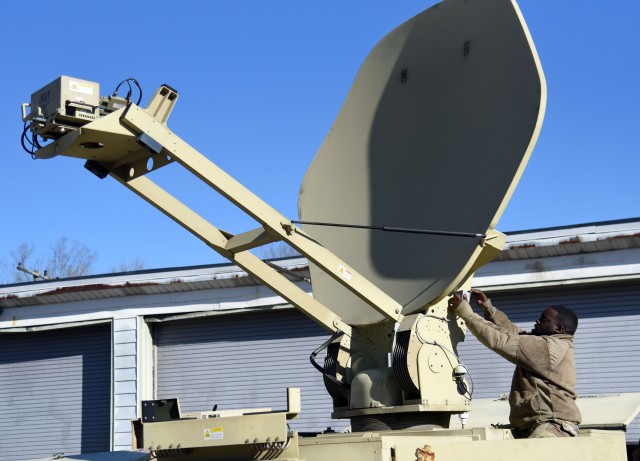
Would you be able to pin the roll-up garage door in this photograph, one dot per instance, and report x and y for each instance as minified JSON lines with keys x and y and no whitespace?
{"x":244,"y":361}
{"x":55,"y":389}
{"x":607,"y":340}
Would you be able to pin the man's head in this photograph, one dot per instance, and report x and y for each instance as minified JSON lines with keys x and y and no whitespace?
{"x":554,"y":320}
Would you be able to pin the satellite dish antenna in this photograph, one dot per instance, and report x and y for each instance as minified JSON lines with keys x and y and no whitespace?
{"x":434,"y":134}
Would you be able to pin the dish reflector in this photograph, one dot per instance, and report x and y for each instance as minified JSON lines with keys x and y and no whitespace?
{"x":434,"y":134}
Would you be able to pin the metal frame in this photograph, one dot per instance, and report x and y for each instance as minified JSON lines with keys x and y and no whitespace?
{"x":155,"y":146}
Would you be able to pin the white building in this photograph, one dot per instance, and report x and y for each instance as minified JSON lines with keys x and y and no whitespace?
{"x":78,"y":355}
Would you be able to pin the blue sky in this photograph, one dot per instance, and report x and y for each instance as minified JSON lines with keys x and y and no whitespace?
{"x":260,"y":84}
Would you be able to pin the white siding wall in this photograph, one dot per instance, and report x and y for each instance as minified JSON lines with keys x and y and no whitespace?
{"x":125,"y":374}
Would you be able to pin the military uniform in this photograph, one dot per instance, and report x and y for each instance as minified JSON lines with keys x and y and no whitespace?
{"x":542,"y":397}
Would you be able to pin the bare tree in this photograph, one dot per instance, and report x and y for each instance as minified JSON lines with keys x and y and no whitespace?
{"x":64,"y":259}
{"x":24,"y":255}
{"x":277,"y":250}
{"x":70,"y":259}
{"x":136,"y":264}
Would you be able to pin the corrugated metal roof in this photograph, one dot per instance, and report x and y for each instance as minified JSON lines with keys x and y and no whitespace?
{"x":563,"y":241}
{"x":137,"y":283}
{"x":538,"y":243}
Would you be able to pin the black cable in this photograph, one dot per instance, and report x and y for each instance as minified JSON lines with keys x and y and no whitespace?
{"x":312,"y":357}
{"x":128,"y":82}
{"x":462,"y":389}
{"x":35,"y":141}
{"x":25,"y":137}
{"x":394,"y":229}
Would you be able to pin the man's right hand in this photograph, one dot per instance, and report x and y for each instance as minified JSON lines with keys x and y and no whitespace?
{"x":459,"y":306}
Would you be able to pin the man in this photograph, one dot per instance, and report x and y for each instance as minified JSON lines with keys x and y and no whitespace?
{"x":542,"y":397}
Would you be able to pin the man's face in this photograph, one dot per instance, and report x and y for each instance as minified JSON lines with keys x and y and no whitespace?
{"x":546,"y":324}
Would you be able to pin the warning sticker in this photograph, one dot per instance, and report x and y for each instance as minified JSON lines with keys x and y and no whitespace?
{"x":213,"y":433}
{"x":80,"y":87}
{"x":345,"y":272}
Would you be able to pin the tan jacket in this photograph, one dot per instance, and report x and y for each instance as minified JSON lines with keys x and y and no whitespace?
{"x":545,"y":376}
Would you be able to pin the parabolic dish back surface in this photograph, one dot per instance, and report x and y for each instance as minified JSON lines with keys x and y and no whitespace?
{"x":434,"y":134}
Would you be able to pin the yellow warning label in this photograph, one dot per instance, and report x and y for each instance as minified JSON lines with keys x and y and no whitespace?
{"x":80,"y":87}
{"x":213,"y":433}
{"x":345,"y":272}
